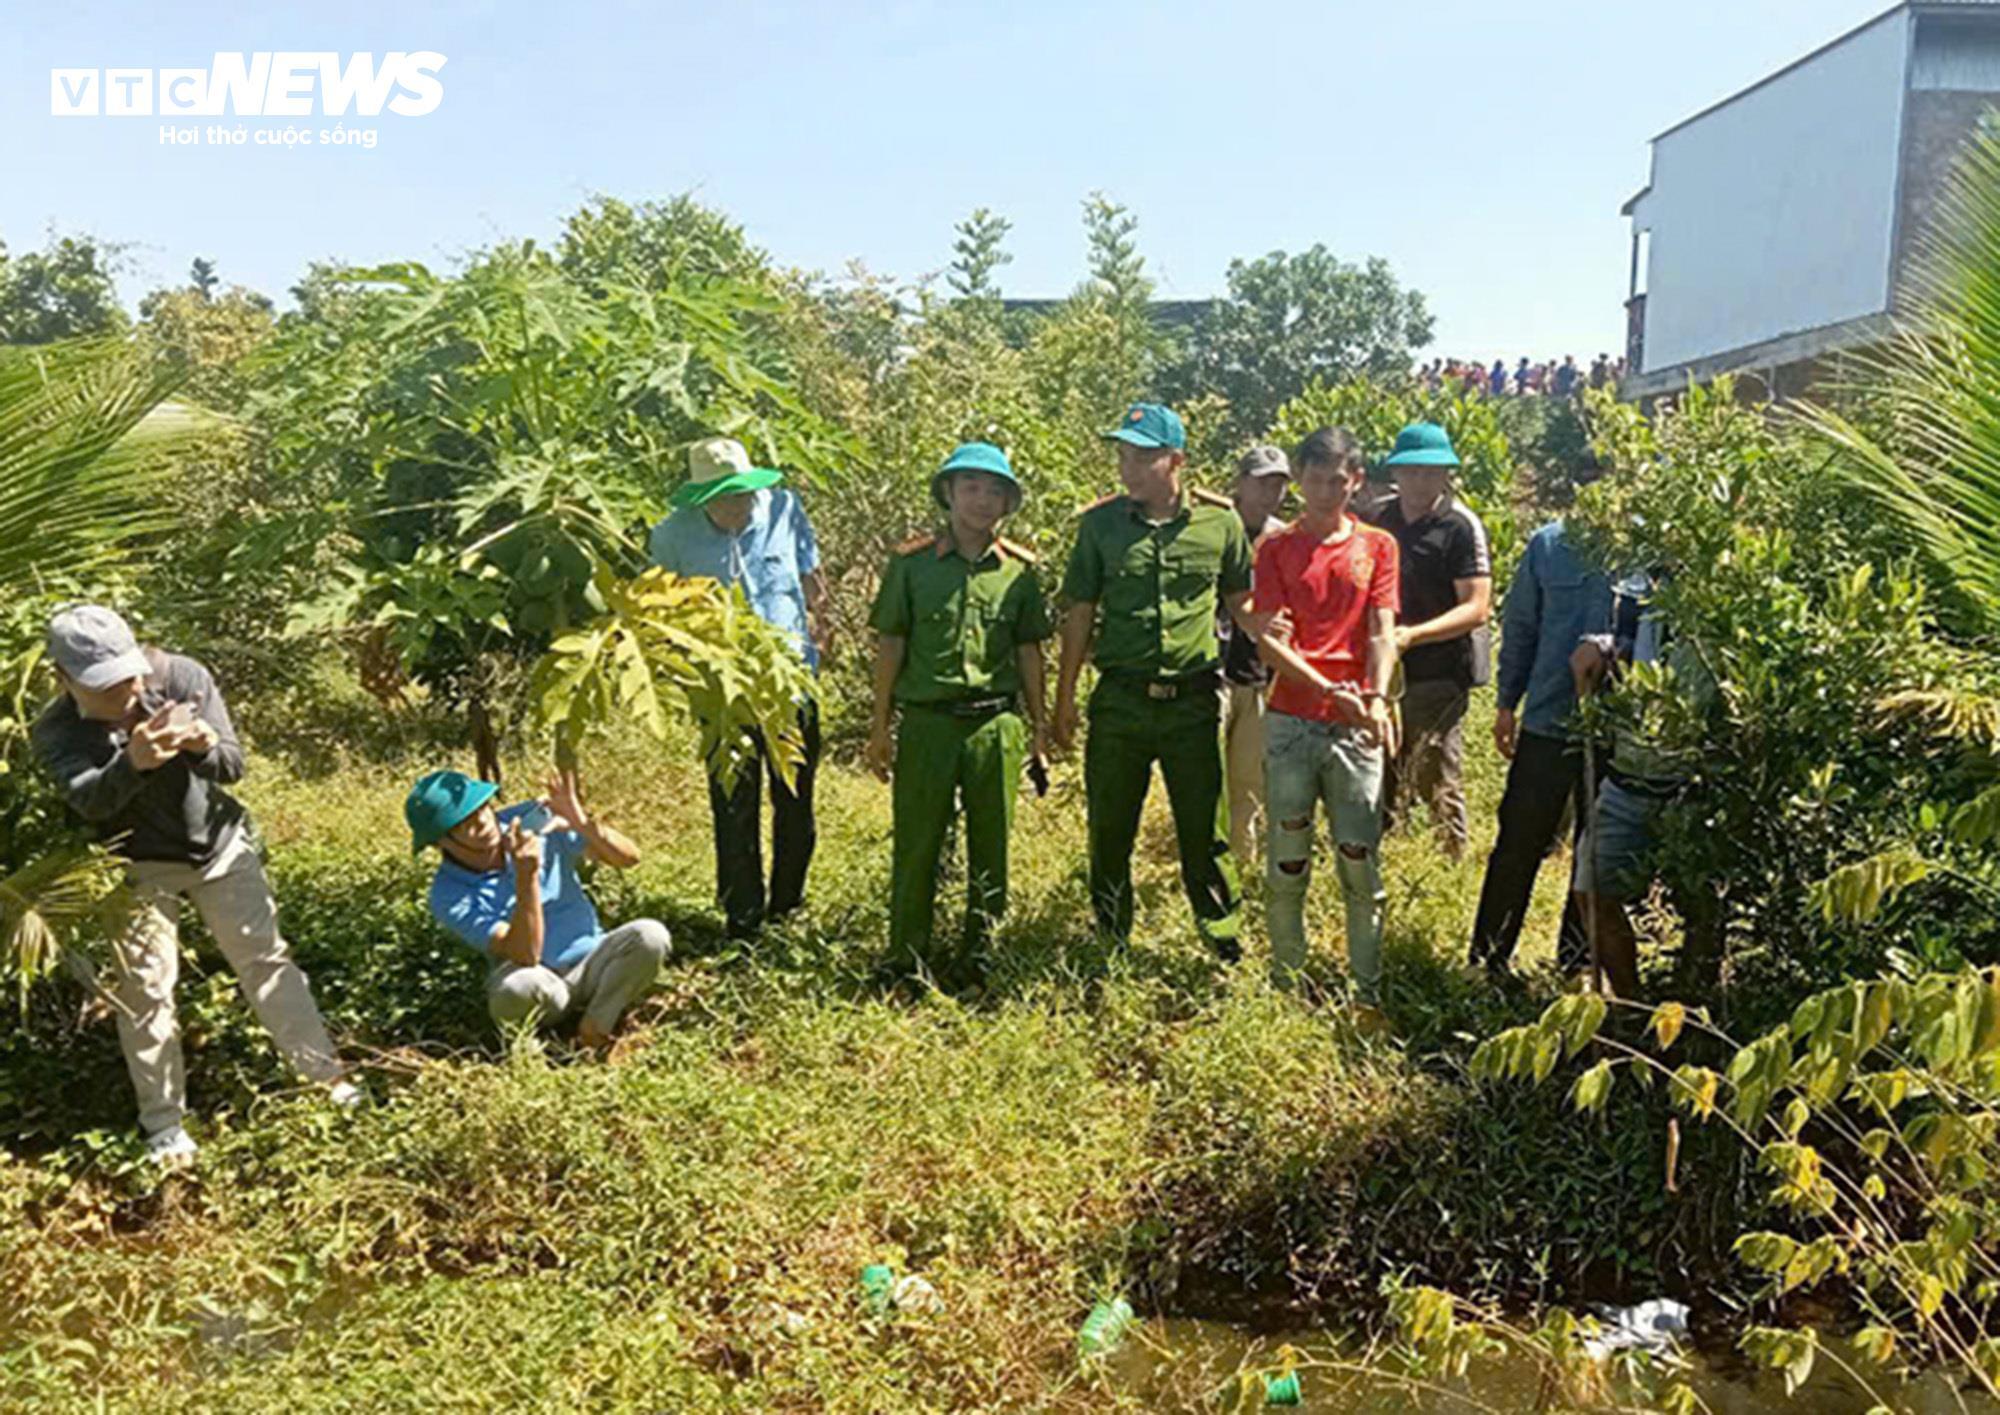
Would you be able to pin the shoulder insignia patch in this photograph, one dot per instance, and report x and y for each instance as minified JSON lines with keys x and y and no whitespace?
{"x":916,"y":543}
{"x":1018,"y":551}
{"x":1213,"y":498}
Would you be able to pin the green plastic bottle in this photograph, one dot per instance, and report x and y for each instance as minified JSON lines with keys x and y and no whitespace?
{"x":1106,"y":1328}
{"x":878,"y":1287}
{"x":1283,"y":1389}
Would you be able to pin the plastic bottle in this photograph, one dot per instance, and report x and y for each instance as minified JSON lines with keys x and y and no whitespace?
{"x":1106,"y":1328}
{"x":878,"y":1286}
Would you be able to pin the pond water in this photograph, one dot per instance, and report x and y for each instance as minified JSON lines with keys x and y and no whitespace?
{"x":1186,"y":1364}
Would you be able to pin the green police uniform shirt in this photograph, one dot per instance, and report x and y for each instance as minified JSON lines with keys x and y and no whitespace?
{"x":960,"y":621}
{"x":1157,"y":587}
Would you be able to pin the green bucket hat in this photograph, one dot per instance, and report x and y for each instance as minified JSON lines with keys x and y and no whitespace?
{"x":440,"y":801}
{"x":1150,"y":425}
{"x":720,"y":467}
{"x":977,"y":457}
{"x":1422,"y":445}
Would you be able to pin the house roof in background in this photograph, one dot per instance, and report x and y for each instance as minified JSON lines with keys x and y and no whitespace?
{"x":1918,"y":7}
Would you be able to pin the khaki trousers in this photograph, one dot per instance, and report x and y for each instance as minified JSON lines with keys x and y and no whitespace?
{"x":234,"y":898}
{"x":1243,"y":765}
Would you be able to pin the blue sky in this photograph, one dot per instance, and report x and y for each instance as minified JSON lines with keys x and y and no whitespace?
{"x":1483,"y":149}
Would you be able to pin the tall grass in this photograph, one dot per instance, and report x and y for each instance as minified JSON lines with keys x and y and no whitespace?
{"x":684,"y":1227}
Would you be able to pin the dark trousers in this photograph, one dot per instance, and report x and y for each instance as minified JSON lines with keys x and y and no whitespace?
{"x":1544,"y":782}
{"x":739,"y":857}
{"x":1129,"y":732}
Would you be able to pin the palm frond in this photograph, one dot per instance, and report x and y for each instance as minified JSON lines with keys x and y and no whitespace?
{"x":85,"y":433}
{"x":46,"y":902}
{"x":1931,"y":458}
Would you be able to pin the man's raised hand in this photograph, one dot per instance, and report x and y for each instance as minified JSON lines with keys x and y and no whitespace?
{"x":524,"y":848}
{"x":565,"y":797}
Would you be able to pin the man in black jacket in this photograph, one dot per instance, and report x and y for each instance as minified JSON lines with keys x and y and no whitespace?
{"x":141,"y":744}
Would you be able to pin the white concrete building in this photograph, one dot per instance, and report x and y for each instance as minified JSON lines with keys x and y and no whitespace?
{"x":1777,"y":224}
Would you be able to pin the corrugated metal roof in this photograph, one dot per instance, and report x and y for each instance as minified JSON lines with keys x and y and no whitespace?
{"x":1918,"y":7}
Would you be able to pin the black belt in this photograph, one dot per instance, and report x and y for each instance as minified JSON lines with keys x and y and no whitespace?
{"x":973,"y":707}
{"x":1165,"y":690}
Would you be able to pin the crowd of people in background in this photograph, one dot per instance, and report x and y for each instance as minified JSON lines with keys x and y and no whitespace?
{"x":1551,"y":378}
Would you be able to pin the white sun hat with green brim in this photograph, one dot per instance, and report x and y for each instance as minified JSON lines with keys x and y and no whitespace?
{"x":720,"y":467}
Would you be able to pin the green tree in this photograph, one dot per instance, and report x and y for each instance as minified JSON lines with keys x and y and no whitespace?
{"x":470,"y":456}
{"x":657,"y":244}
{"x":976,"y":255}
{"x":64,"y":291}
{"x":1289,"y":320}
{"x":211,"y":333}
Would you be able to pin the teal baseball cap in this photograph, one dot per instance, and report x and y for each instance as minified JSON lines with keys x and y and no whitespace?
{"x":976,"y":457}
{"x":1422,"y":445}
{"x":1150,"y":425}
{"x":440,"y":801}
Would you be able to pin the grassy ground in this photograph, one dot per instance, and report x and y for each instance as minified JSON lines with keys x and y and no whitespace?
{"x":683,"y":1228}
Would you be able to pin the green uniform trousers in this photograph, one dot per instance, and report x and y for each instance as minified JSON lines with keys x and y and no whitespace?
{"x":940,"y":759}
{"x":1129,"y":731}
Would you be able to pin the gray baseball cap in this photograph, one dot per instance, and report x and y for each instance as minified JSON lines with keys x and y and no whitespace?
{"x":94,"y":647}
{"x":1263,"y":462}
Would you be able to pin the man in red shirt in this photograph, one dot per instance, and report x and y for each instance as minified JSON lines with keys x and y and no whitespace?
{"x":1328,"y":721}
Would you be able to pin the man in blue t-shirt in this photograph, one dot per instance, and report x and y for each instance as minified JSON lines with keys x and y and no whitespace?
{"x":508,"y":887}
{"x":734,"y":523}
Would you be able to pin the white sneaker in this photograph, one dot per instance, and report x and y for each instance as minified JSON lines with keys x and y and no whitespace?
{"x":172,"y":1146}
{"x":346,"y":1094}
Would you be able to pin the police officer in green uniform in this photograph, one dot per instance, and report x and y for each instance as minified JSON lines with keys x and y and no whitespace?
{"x":960,"y":622}
{"x":1145,"y":579}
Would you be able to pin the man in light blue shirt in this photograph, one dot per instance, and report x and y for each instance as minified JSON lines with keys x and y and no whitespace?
{"x":507,"y":885}
{"x":1555,"y":600}
{"x":734,"y":523}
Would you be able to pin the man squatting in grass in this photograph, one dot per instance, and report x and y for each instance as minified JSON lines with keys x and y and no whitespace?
{"x":1447,"y":597}
{"x":141,"y":744}
{"x":960,"y":624}
{"x":508,"y":887}
{"x":1262,"y":474}
{"x":1329,"y":724}
{"x":733,"y":523}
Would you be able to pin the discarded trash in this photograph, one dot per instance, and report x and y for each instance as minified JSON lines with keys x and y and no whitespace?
{"x":1283,"y":1389}
{"x":915,"y":1294}
{"x":878,"y":1287}
{"x":1106,"y":1328}
{"x":1653,"y":1325}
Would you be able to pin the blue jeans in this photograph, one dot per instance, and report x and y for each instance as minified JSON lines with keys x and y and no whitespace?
{"x":1306,"y":765}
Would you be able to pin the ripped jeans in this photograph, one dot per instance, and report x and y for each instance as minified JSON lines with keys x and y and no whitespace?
{"x":1306,"y":764}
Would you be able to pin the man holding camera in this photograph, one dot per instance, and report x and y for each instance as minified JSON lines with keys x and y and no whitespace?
{"x":141,"y":745}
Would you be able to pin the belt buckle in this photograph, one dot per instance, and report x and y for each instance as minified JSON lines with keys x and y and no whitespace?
{"x":1163,"y":692}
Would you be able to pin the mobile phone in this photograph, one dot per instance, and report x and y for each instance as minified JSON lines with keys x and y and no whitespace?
{"x":537,"y":819}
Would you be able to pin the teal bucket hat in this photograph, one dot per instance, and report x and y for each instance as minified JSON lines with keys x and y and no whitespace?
{"x":1422,"y":445}
{"x":1150,"y":425}
{"x":439,"y":802}
{"x":977,"y":457}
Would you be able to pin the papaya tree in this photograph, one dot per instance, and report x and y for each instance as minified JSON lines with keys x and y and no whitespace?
{"x":466,"y":460}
